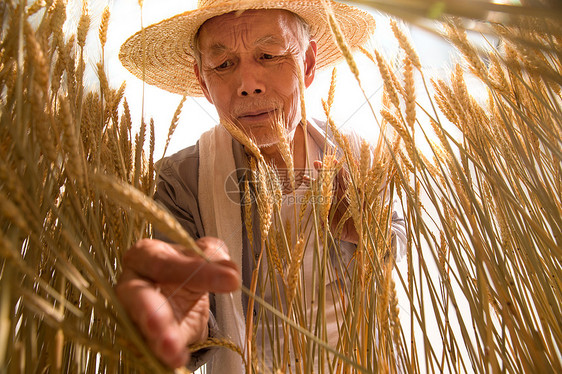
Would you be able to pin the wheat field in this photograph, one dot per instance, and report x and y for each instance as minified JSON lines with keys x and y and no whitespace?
{"x":479,"y":182}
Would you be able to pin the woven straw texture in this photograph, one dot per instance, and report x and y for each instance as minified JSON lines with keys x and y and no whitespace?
{"x":168,"y":62}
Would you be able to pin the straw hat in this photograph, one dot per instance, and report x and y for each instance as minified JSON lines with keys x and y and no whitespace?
{"x":168,"y":59}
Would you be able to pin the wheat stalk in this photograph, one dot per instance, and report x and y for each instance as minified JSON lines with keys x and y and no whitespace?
{"x":481,"y":285}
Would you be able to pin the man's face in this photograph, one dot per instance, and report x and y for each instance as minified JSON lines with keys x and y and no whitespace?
{"x":248,"y":70}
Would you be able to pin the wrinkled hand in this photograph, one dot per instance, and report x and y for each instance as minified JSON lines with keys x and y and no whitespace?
{"x":349,"y":233}
{"x":166,"y":293}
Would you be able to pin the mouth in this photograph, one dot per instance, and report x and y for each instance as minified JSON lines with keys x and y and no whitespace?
{"x":257,"y":115}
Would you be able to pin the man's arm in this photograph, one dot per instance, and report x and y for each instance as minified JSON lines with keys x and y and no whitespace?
{"x":166,"y":292}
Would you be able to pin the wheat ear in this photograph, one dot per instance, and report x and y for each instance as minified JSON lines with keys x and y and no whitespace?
{"x":129,"y":197}
{"x":244,"y":139}
{"x":104,"y":24}
{"x":293,"y":273}
{"x":285,"y":151}
{"x":405,"y":44}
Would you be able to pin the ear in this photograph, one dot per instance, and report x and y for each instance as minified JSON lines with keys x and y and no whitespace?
{"x":202,"y":82}
{"x":310,"y":63}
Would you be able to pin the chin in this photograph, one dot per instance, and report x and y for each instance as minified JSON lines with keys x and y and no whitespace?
{"x":266,"y":143}
{"x":263,"y":136}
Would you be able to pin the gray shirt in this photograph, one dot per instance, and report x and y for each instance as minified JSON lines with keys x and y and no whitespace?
{"x":177,"y":190}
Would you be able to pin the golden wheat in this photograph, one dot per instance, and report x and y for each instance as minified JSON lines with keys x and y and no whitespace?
{"x":482,"y":220}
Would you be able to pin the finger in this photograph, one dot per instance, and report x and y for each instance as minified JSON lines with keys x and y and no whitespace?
{"x":172,"y":348}
{"x":161,"y":263}
{"x":212,"y":248}
{"x":151,"y":312}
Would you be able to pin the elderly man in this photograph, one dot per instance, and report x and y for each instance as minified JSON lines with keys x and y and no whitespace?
{"x":250,"y":60}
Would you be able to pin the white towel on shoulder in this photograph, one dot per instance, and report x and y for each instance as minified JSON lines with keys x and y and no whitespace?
{"x":221,"y":216}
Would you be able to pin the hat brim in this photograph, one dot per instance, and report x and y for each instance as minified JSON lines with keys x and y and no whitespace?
{"x":167,"y":61}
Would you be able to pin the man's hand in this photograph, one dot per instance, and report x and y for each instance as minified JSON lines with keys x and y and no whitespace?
{"x":166,"y":293}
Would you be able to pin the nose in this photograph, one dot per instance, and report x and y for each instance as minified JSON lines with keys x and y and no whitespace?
{"x":251,"y":82}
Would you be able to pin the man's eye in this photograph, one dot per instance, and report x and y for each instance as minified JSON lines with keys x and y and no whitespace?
{"x":224,"y":65}
{"x":267,"y":56}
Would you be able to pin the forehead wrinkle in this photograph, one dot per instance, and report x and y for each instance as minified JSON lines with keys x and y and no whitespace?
{"x":238,"y":37}
{"x":267,"y":40}
{"x":219,"y":49}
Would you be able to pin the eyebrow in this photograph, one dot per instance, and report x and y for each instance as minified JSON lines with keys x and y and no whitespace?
{"x":219,"y":48}
{"x":268,"y":40}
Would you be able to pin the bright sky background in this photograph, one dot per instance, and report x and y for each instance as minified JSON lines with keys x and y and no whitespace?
{"x":350,"y":109}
